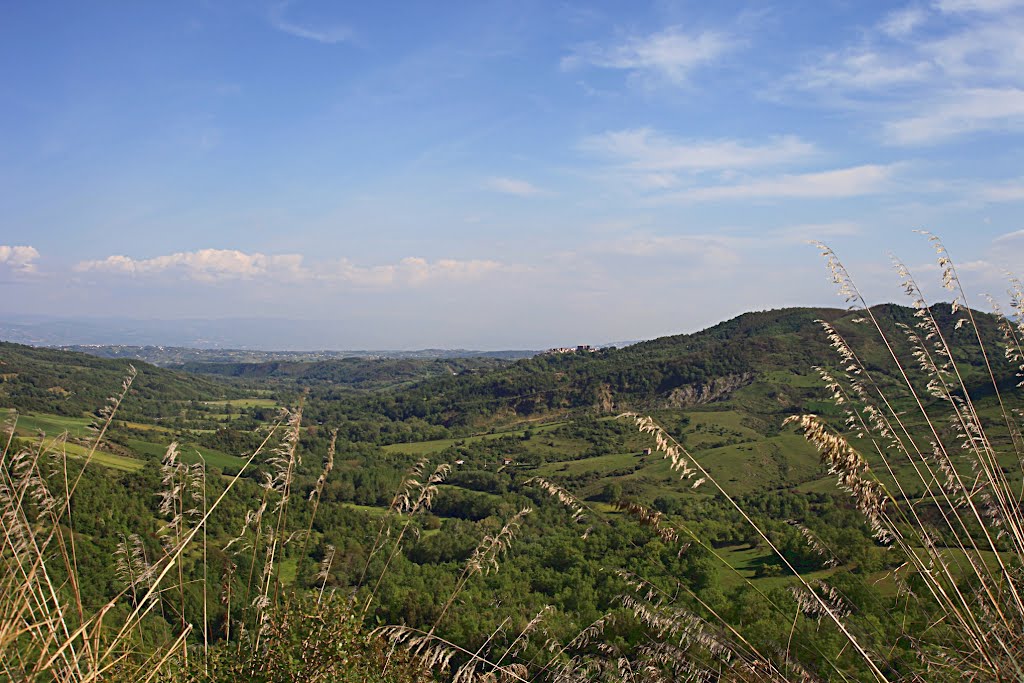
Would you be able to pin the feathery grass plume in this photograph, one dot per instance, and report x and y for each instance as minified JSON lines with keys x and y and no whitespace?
{"x":811,"y":607}
{"x":404,"y":492}
{"x":851,"y":470}
{"x":485,"y":558}
{"x":10,"y":423}
{"x":105,"y":417}
{"x":286,"y":458}
{"x":436,"y":653}
{"x":285,"y":461}
{"x":653,"y":519}
{"x":672,"y":652}
{"x":318,"y":489}
{"x":414,"y":497}
{"x":131,"y":564}
{"x":325,"y":570}
{"x":561,"y":495}
{"x":227,"y":579}
{"x":519,"y":644}
{"x":180,"y":499}
{"x":46,"y":633}
{"x":815,"y":544}
{"x":972,"y":506}
{"x":468,"y":671}
{"x":679,"y":460}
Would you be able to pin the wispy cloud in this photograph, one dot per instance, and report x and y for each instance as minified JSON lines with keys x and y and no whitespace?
{"x":221,"y":265}
{"x":321,"y":33}
{"x":1015,"y":236}
{"x":930,"y":73}
{"x":515,"y":186}
{"x":958,"y":6}
{"x":845,"y":182}
{"x":961,"y":112}
{"x":646,"y":149}
{"x":816,"y":231}
{"x":1012,"y":191}
{"x":671,"y":54}
{"x":700,"y":251}
{"x":20,"y":259}
{"x":985,"y":52}
{"x":863,"y":69}
{"x":903,"y":22}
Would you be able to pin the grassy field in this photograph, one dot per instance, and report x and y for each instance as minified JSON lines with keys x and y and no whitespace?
{"x":602,"y":464}
{"x":30,"y":425}
{"x":368,"y":509}
{"x":54,"y":425}
{"x":740,"y":564}
{"x":144,"y":426}
{"x":438,"y":445}
{"x":190,"y":453}
{"x":103,"y":458}
{"x":244,"y":403}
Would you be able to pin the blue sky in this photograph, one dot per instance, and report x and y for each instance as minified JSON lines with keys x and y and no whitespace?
{"x":496,"y":175}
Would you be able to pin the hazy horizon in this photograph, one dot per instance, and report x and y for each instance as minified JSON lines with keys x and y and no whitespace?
{"x":259,"y":334}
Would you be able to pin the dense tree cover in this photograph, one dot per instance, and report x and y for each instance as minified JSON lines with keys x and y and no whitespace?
{"x":358,"y":373}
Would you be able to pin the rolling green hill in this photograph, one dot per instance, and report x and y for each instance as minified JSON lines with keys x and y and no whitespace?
{"x":68,"y":383}
{"x":758,"y":363}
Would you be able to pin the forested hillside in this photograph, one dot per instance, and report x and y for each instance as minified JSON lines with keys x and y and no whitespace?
{"x":356,"y":373}
{"x":68,"y":383}
{"x":760,"y":362}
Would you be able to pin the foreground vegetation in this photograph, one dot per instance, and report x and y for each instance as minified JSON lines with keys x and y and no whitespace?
{"x":504,"y":524}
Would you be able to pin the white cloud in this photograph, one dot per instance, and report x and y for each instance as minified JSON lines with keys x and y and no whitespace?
{"x":20,"y":259}
{"x":844,"y":182}
{"x":413,"y":271}
{"x":671,"y":54}
{"x":644,"y":149}
{"x":218,"y":265}
{"x":514,"y":186}
{"x":963,"y":112}
{"x":205,"y":265}
{"x":321,"y":33}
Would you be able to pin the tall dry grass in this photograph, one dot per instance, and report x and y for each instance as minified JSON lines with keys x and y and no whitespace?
{"x":46,"y":631}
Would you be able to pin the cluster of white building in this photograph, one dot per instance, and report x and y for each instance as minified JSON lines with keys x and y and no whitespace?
{"x":582,"y":348}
